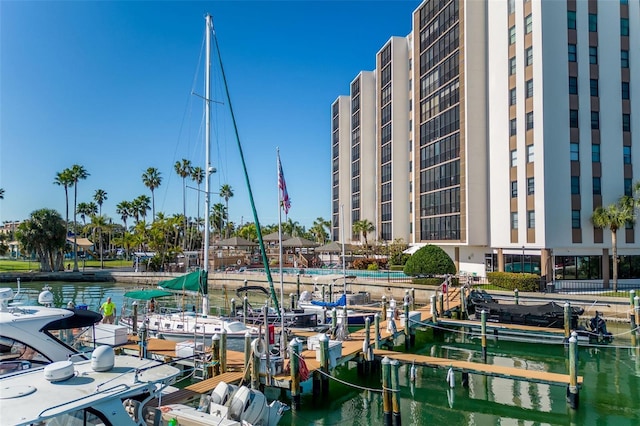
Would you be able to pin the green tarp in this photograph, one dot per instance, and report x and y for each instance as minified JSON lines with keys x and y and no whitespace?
{"x":147,"y":294}
{"x":189,"y":282}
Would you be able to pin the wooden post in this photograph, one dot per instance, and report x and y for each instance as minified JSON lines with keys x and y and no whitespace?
{"x":483,"y":328}
{"x":324,"y":364}
{"x":463,"y":302}
{"x":134,"y":320}
{"x":395,"y":393}
{"x":232,"y":313}
{"x":334,"y":322}
{"x":255,"y":366}
{"x":215,"y":354}
{"x":407,"y":327}
{"x":330,"y":292}
{"x":245,"y":308}
{"x":294,"y":351}
{"x":292,"y":299}
{"x":298,"y":286}
{"x":516,"y":296}
{"x":440,"y":303}
{"x":572,"y":392}
{"x":384,"y":308}
{"x":386,"y":391}
{"x":223,"y":351}
{"x":567,"y":320}
{"x":367,"y":337}
{"x":376,"y":322}
{"x":632,"y":295}
{"x":434,"y":312}
{"x":413,"y":299}
{"x":345,"y":322}
{"x":247,"y":354}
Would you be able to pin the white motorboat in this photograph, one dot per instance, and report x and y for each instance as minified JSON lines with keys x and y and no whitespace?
{"x":37,"y":335}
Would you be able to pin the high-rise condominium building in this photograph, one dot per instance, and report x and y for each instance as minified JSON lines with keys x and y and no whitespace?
{"x":494,"y":130}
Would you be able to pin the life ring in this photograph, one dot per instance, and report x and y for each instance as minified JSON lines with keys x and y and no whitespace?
{"x":258,"y":347}
{"x":239,"y":262}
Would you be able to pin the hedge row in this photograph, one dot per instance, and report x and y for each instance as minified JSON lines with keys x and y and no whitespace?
{"x":513,"y":280}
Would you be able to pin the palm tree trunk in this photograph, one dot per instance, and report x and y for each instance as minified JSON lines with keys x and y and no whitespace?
{"x":614,"y":253}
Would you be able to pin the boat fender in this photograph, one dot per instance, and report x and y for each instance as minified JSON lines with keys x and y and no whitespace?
{"x":258,"y":347}
{"x":451,"y":378}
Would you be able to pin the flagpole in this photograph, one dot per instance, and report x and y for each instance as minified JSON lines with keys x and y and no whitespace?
{"x":280,"y":201}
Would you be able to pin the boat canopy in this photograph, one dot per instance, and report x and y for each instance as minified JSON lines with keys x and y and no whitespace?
{"x":80,"y":318}
{"x":194,"y":281}
{"x":147,"y":294}
{"x":340,"y":302}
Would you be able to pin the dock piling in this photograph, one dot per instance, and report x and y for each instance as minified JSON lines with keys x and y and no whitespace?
{"x":463,"y":303}
{"x":635,"y":321}
{"x":376,"y":321}
{"x":413,"y":299}
{"x":292,"y":301}
{"x":247,"y":354}
{"x":567,"y":320}
{"x":334,"y":322}
{"x":223,"y":351}
{"x":516,"y":296}
{"x":294,"y":352}
{"x":255,"y":365}
{"x":395,"y":393}
{"x":134,"y":322}
{"x":483,"y":332}
{"x":572,"y":391}
{"x":407,"y":327}
{"x":232,"y":312}
{"x":440,"y":303}
{"x":298,"y":286}
{"x":324,"y":364}
{"x":384,"y":308}
{"x":434,"y":312}
{"x":245,"y":308}
{"x":215,"y":354}
{"x":386,"y":390}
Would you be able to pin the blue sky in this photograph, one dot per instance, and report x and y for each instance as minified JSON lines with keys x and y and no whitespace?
{"x":107,"y":85}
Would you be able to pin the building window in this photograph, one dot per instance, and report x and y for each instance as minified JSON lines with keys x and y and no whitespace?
{"x":593,"y":85}
{"x":514,"y":188}
{"x":573,"y":53}
{"x":512,"y":66}
{"x":529,"y":88}
{"x":625,"y":90}
{"x":514,"y":158}
{"x":573,"y":85}
{"x":573,"y":118}
{"x":530,"y":153}
{"x":512,"y":6}
{"x":626,"y":154}
{"x":593,"y":22}
{"x":595,"y":153}
{"x":593,"y":54}
{"x":628,"y":187}
{"x":575,"y":219}
{"x":571,"y":19}
{"x":595,"y":120}
{"x":529,"y":56}
{"x":513,"y":127}
{"x":514,"y":220}
{"x":626,"y":122}
{"x":530,"y":120}
{"x":624,"y":58}
{"x":597,"y":189}
{"x":528,"y":24}
{"x":531,"y":219}
{"x":624,"y":26}
{"x":512,"y":35}
{"x":530,"y":186}
{"x":575,"y":185}
{"x":512,"y":96}
{"x":574,"y":151}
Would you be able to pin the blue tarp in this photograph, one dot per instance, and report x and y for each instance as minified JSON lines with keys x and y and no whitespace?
{"x":340,"y":302}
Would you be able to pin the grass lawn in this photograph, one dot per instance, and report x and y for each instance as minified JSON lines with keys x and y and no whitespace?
{"x":7,"y":265}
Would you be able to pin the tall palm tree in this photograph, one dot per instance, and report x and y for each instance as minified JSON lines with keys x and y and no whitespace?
{"x":363,"y":227}
{"x":614,"y":217}
{"x":140,"y":207}
{"x":124,"y":209}
{"x":152,"y":179}
{"x":86,"y":210}
{"x":226,"y":192}
{"x":76,"y":173}
{"x":98,"y":225}
{"x":320,"y":229}
{"x":65,"y":180}
{"x":218,"y":217}
{"x":100,"y":196}
{"x":197,"y":175}
{"x":183,"y":169}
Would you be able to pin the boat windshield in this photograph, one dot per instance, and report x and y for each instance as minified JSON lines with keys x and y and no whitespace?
{"x":235,"y":327}
{"x":16,"y":355}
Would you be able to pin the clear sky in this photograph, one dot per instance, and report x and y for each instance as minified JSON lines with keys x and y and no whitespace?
{"x":108,"y":85}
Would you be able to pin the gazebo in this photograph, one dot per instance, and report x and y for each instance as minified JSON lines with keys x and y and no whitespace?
{"x":235,"y":242}
{"x":334,"y":247}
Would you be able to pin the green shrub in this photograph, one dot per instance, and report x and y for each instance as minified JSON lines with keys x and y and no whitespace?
{"x":429,"y":260}
{"x":513,"y":280}
{"x":365,"y":264}
{"x":433,"y":281}
{"x":373,"y":267}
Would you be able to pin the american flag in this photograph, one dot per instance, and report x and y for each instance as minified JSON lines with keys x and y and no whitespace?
{"x":285,"y":201}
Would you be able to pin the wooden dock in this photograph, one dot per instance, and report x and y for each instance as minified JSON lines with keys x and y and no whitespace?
{"x":491,"y":370}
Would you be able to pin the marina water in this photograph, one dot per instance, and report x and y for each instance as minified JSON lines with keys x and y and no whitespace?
{"x":610,"y":395}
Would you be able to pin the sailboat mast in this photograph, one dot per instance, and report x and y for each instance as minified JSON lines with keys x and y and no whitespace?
{"x":280,"y":201}
{"x":208,"y":168}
